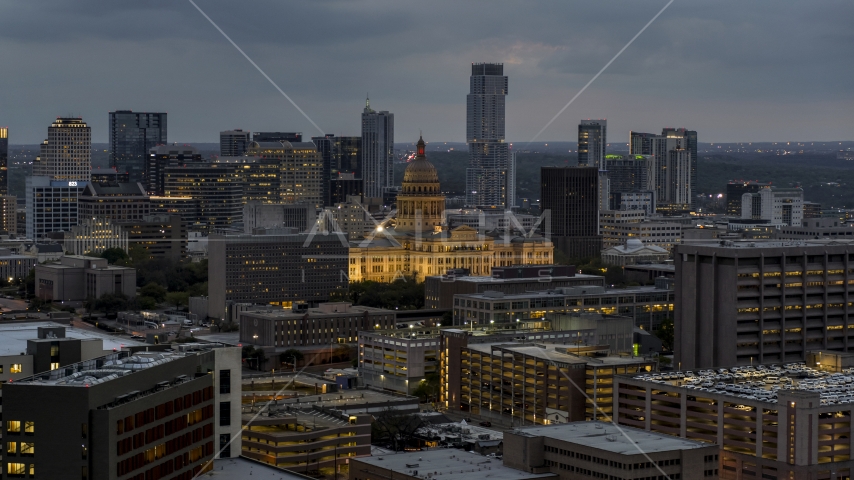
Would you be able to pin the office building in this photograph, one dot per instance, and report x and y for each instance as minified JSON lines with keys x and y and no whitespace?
{"x":280,"y":439}
{"x":816,"y":228}
{"x":160,"y":236}
{"x":439,"y":291}
{"x":659,"y":233}
{"x":629,"y":175}
{"x":646,"y":306}
{"x":634,"y":252}
{"x":347,"y":155}
{"x":342,"y":159}
{"x":675,"y":172}
{"x":94,"y":235}
{"x":77,"y":278}
{"x":51,"y":205}
{"x":164,"y":156}
{"x":9,"y":214}
{"x":14,"y":266}
{"x":788,"y":432}
{"x":582,"y":450}
{"x":109,"y":175}
{"x":570,"y":196}
{"x":762,"y":302}
{"x":487,"y":175}
{"x":592,"y":140}
{"x":233,"y":143}
{"x":734,"y":192}
{"x":274,"y":269}
{"x":778,"y":206}
{"x":300,"y":217}
{"x":125,"y":415}
{"x":132,"y":135}
{"x":344,"y":186}
{"x":326,"y":324}
{"x":377,"y":150}
{"x":490,"y":220}
{"x":350,"y":217}
{"x":216,"y":190}
{"x":277,"y":137}
{"x":184,"y":207}
{"x":259,"y":177}
{"x":66,"y":155}
{"x":300,"y":170}
{"x":547,"y":375}
{"x":115,"y":201}
{"x":4,"y":161}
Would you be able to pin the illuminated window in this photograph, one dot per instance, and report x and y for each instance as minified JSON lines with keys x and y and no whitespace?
{"x":54,"y":365}
{"x":16,"y":469}
{"x":28,"y":448}
{"x":29,"y":427}
{"x":13,"y":426}
{"x":11,"y":448}
{"x":16,"y":368}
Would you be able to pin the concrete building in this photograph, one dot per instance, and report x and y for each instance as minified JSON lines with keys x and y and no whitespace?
{"x":775,"y":431}
{"x":489,"y":220}
{"x":398,"y":359}
{"x":489,"y":180}
{"x":300,"y":174}
{"x":582,"y":450}
{"x":439,"y":291}
{"x":658,"y":232}
{"x":612,"y":223}
{"x":124,"y":415}
{"x":93,"y":236}
{"x":216,"y":190}
{"x":350,"y":217}
{"x":570,"y":196}
{"x":161,"y":236}
{"x":343,"y":186}
{"x":277,"y":137}
{"x":163,"y":156}
{"x":274,"y":269}
{"x":8,"y":213}
{"x":114,"y":201}
{"x":14,"y":266}
{"x":335,"y":438}
{"x":109,"y":175}
{"x":816,"y":229}
{"x":51,"y":205}
{"x":779,"y":206}
{"x":184,"y":207}
{"x":132,"y":135}
{"x":647,"y":306}
{"x":77,"y":278}
{"x":233,"y":143}
{"x":328,"y":323}
{"x":633,"y":252}
{"x":532,"y":381}
{"x":629,"y":174}
{"x":447,"y":463}
{"x":259,"y":176}
{"x":761,"y":302}
{"x":43,"y":252}
{"x":66,"y":155}
{"x":300,"y":217}
{"x":734,"y":192}
{"x":377,"y":150}
{"x":592,"y":141}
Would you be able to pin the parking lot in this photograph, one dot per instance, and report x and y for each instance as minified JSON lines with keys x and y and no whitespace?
{"x":763,"y":382}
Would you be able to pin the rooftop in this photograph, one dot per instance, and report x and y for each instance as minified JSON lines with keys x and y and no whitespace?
{"x":611,"y":438}
{"x":577,"y":276}
{"x":559,"y":353}
{"x":241,"y":467}
{"x":562,"y":292}
{"x":450,"y":464}
{"x":14,"y":336}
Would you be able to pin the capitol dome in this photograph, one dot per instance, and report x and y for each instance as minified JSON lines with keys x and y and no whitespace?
{"x":420,"y":175}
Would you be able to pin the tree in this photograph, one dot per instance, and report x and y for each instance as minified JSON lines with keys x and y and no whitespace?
{"x":146,"y":303}
{"x":291,"y":355}
{"x":30,"y":283}
{"x":396,"y":428}
{"x":447,"y":319}
{"x":428,"y":388}
{"x":177,"y":299}
{"x":665,"y":332}
{"x":114,"y":255}
{"x":340,"y":353}
{"x":253,"y":355}
{"x":154,"y":291}
{"x":111,"y":303}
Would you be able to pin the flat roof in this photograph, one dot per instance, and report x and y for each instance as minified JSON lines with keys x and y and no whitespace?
{"x":554,"y":293}
{"x":608,"y":437}
{"x":241,"y":467}
{"x":557,"y":353}
{"x":348,"y":400}
{"x":448,"y":464}
{"x":580,"y":276}
{"x":14,"y":336}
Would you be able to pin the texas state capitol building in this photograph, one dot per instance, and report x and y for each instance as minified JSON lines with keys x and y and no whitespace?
{"x":420,"y":243}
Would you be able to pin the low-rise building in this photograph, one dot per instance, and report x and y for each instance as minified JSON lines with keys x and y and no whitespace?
{"x":817,"y":228}
{"x":256,"y":214}
{"x":582,"y":450}
{"x":94,"y":236}
{"x":439,"y":290}
{"x":444,"y":463}
{"x":161,"y":236}
{"x":662,"y":233}
{"x":77,"y":278}
{"x":634,"y":251}
{"x":15,"y":266}
{"x":114,"y":201}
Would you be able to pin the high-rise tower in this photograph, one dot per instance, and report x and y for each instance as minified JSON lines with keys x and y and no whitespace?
{"x":675,"y":169}
{"x":132,"y":135}
{"x":233,"y":143}
{"x":377,"y":150}
{"x":488,"y":177}
{"x":591,"y":142}
{"x":4,"y":160}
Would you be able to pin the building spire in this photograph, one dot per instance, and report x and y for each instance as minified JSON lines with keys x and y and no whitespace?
{"x":368,"y":101}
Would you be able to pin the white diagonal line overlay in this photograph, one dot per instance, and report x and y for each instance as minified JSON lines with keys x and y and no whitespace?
{"x":600,"y":71}
{"x":259,"y":68}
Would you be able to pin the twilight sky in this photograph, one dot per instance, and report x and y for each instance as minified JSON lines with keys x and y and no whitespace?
{"x":732,"y":70}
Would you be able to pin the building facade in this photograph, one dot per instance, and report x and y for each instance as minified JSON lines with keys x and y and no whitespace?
{"x":489,"y":155}
{"x":276,"y":137}
{"x":66,"y":155}
{"x":300,"y":170}
{"x":570,"y":196}
{"x":9,"y":214}
{"x":217,"y":192}
{"x":592,"y":141}
{"x":779,"y":206}
{"x":161,"y":236}
{"x":734,"y":192}
{"x":78,"y":278}
{"x":377,"y":150}
{"x":4,"y":161}
{"x":132,"y":135}
{"x":300,"y":217}
{"x":163,"y":156}
{"x":629,"y":174}
{"x":51,"y":205}
{"x":115,"y":201}
{"x":675,"y":172}
{"x":233,"y":143}
{"x":94,"y":235}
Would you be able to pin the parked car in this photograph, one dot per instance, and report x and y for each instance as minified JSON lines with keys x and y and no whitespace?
{"x":485,"y":424}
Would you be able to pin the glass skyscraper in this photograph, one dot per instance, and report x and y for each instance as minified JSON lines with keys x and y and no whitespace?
{"x":4,"y":160}
{"x":592,"y":138}
{"x":489,"y":179}
{"x":377,"y":151}
{"x":132,"y":135}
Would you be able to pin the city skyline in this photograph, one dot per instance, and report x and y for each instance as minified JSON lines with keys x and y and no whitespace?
{"x":418,"y":71}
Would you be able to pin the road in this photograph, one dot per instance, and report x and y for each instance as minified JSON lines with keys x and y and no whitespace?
{"x":12,"y":304}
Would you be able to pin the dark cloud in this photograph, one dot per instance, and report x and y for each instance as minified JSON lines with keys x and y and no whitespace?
{"x":733,"y":70}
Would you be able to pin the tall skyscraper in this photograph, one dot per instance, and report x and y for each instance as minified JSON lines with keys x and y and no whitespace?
{"x":277,"y":137}
{"x":4,"y":160}
{"x":377,"y":150}
{"x":675,"y":171}
{"x":487,"y":176}
{"x":591,"y":142}
{"x":570,"y":195}
{"x":233,"y":142}
{"x":66,"y":155}
{"x":132,"y":135}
